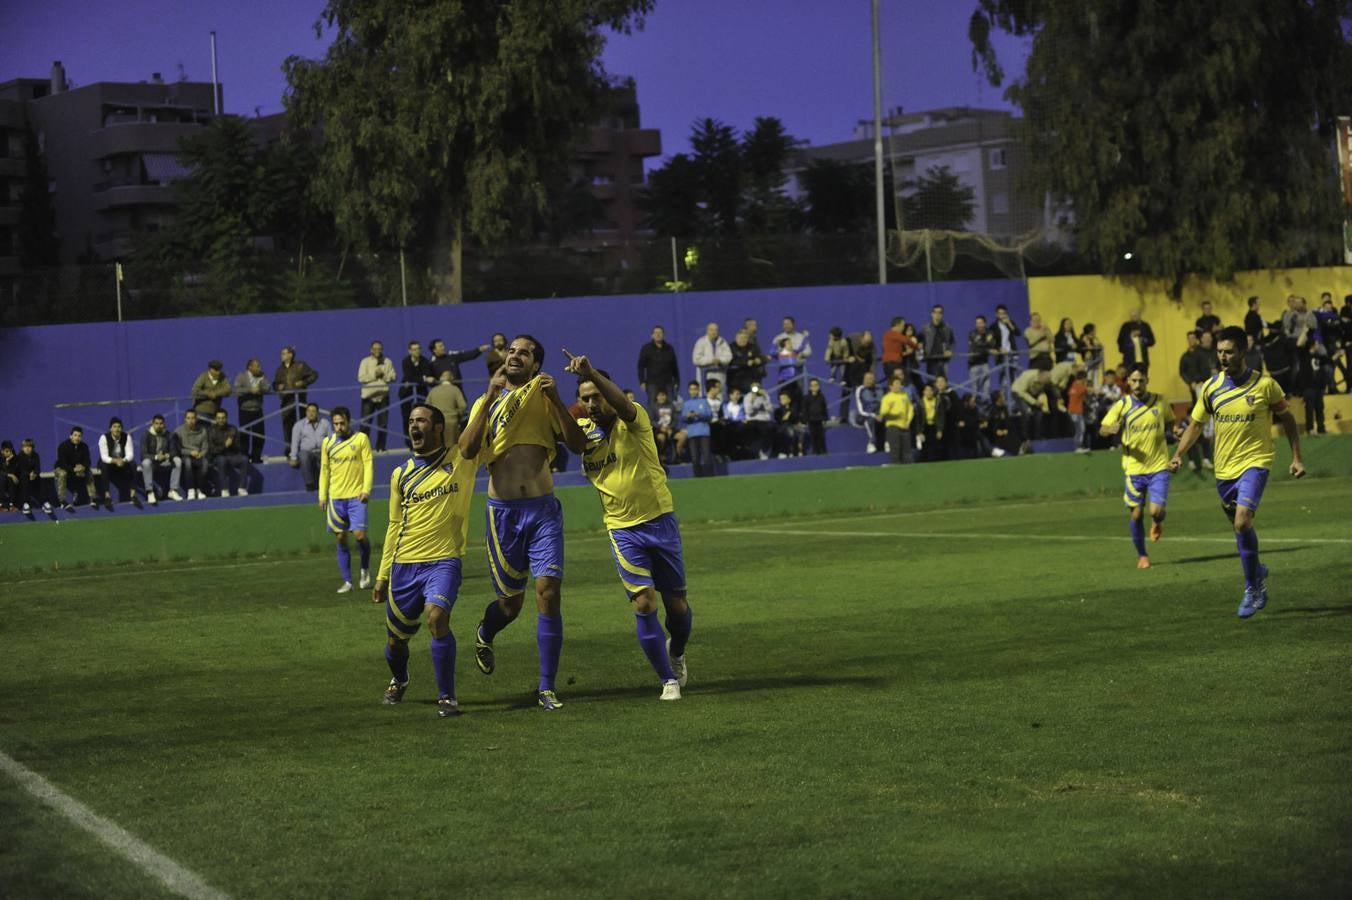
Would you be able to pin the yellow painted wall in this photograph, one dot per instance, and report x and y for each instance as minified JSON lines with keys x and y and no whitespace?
{"x":1106,"y":301}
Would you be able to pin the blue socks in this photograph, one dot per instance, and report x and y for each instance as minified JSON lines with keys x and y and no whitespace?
{"x":1247,"y":542}
{"x":494,"y":621}
{"x":549,"y":638}
{"x":443,"y":664}
{"x":678,"y":626}
{"x":398,"y":660}
{"x":654,"y":644}
{"x":345,"y":560}
{"x":1138,"y":535}
{"x":364,"y":547}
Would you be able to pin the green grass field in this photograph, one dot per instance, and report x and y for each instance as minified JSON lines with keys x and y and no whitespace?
{"x":938,"y":697}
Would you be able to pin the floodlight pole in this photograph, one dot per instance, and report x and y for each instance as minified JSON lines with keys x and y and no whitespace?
{"x":878,"y":148}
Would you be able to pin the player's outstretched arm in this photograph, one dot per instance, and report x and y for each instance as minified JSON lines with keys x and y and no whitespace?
{"x":1293,"y":438}
{"x":582,"y":367}
{"x":472,"y":438}
{"x":1190,"y":436}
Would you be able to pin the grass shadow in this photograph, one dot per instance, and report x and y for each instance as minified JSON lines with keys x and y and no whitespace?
{"x":1215,"y":557}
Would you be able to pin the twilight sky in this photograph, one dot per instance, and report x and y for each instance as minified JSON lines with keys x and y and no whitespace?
{"x":805,"y":61}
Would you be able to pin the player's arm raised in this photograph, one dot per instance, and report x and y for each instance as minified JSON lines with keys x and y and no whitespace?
{"x":472,"y":438}
{"x":623,"y":406}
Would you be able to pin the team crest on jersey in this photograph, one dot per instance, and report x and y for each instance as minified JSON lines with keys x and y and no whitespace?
{"x":1250,"y":399}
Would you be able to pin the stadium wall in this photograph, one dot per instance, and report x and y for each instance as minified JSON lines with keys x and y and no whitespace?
{"x":1106,"y":301}
{"x":114,"y":362}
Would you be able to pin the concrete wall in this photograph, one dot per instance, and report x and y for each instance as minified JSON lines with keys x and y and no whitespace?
{"x":157,"y":361}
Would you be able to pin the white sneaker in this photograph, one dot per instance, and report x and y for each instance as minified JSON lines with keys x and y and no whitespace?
{"x":1206,"y":464}
{"x":671,"y":690}
{"x":242,"y":492}
{"x":872,"y":448}
{"x":193,"y":494}
{"x":150,"y":498}
{"x":997,"y":452}
{"x":365,"y":580}
{"x":678,"y":666}
{"x":345,"y":589}
{"x":175,"y":496}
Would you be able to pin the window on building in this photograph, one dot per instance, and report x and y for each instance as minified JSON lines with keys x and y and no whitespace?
{"x":998,"y":158}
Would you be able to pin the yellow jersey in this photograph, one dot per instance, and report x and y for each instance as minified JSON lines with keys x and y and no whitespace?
{"x":345,"y":467}
{"x":896,"y":410}
{"x":1145,"y":425}
{"x":429,"y":509}
{"x":521,"y":415}
{"x":622,"y":465}
{"x":1243,"y":413}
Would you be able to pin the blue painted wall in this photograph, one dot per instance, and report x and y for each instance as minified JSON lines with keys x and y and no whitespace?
{"x":156,"y":359}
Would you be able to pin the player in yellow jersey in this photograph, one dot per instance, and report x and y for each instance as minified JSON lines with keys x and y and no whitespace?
{"x":420,"y":561}
{"x":1243,"y":403}
{"x":513,"y":429}
{"x":1143,"y":420}
{"x":622,"y":464}
{"x":345,"y":477}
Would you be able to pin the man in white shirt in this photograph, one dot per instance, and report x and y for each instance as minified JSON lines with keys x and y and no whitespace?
{"x":375,"y":373}
{"x":711,"y":356}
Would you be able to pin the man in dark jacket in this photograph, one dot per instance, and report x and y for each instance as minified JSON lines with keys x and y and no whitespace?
{"x":1134,"y":340}
{"x":290,"y":381}
{"x":72,"y":461}
{"x":29,"y":469}
{"x":157,"y":455}
{"x":1196,"y":364}
{"x":417,"y":378}
{"x":657,"y":366}
{"x":449,"y":361}
{"x":224,"y":456}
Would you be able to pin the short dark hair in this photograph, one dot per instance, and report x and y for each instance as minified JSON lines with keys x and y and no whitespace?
{"x":29,"y":441}
{"x":341,"y":411}
{"x":897,"y":320}
{"x":158,"y":417}
{"x":587,"y":379}
{"x":938,"y":306}
{"x":692,"y":383}
{"x":791,"y":319}
{"x":438,"y":417}
{"x":415,"y":343}
{"x":1252,"y":300}
{"x":1000,"y":306}
{"x":1138,"y":368}
{"x":312,"y":403}
{"x":76,"y":429}
{"x":539,"y":352}
{"x":1235,"y":335}
{"x":114,"y":421}
{"x":6,"y":445}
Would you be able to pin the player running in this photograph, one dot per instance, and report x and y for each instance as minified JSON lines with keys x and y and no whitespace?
{"x":1242,"y":403}
{"x":621,"y":463}
{"x":1143,"y":419}
{"x":420,"y":560}
{"x":512,"y":429}
{"x":345,"y":478}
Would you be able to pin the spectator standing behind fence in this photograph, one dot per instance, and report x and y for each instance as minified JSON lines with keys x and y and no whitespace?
{"x":451,"y":401}
{"x":789,"y":428}
{"x":250,"y":386}
{"x":376,"y":373}
{"x":117,"y":461}
{"x":1067,"y":342}
{"x":157,"y":454}
{"x":1134,"y":340}
{"x":1195,"y":365}
{"x":760,"y":424}
{"x":893,"y":349}
{"x":1299,"y":325}
{"x":787,"y":362}
{"x":1208,"y":321}
{"x":937,"y":341}
{"x":290,"y":380}
{"x":495,"y":357}
{"x":73,"y":462}
{"x":745,"y":363}
{"x":1039,"y":339}
{"x":1312,"y":364}
{"x":658,"y":369}
{"x":711,"y":355}
{"x":895,"y":414}
{"x":416,"y":379}
{"x":696,"y":416}
{"x":838,"y":353}
{"x":865,"y":358}
{"x":1091,"y":352}
{"x":307,"y":441}
{"x":734,"y":424}
{"x":798,"y":340}
{"x":981,"y":343}
{"x":815,"y":415}
{"x":225,"y":458}
{"x":1006,"y":347}
{"x":210,"y":388}
{"x":868,"y":399}
{"x":190,"y":446}
{"x":449,"y":361}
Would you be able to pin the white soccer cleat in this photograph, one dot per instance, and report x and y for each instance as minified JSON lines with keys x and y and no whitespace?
{"x":193,"y":494}
{"x":345,"y":589}
{"x":671,"y":690}
{"x":151,"y":499}
{"x":242,"y":492}
{"x":872,"y":448}
{"x":175,"y":496}
{"x":365,"y":581}
{"x":678,"y":666}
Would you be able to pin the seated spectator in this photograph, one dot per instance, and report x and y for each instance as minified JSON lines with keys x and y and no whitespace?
{"x":117,"y":459}
{"x":760,"y":425}
{"x":670,"y":439}
{"x":448,"y":398}
{"x":307,"y":441}
{"x":734,"y":426}
{"x":895,"y":415}
{"x":210,"y":388}
{"x":815,"y":414}
{"x":73,"y":462}
{"x":868,"y":401}
{"x":157,"y":457}
{"x":191,"y":447}
{"x":9,"y":477}
{"x":227,"y":459}
{"x":696,"y":416}
{"x":789,"y":427}
{"x":32,"y":490}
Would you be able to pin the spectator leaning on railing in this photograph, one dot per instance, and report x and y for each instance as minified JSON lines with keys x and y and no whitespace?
{"x":937,"y":341}
{"x":711,"y":355}
{"x":290,"y":380}
{"x":981,"y":343}
{"x":210,"y":388}
{"x":250,"y":386}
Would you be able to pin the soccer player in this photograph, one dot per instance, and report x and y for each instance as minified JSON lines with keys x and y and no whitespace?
{"x":621,"y":463}
{"x":345,"y":477}
{"x":1143,"y":420}
{"x":512,"y":430}
{"x":1243,"y":403}
{"x":420,"y":562}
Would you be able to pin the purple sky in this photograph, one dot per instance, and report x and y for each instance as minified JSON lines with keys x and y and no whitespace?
{"x":806,"y":62}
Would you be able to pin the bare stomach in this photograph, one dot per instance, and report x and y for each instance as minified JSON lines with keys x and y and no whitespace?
{"x":521,"y":473}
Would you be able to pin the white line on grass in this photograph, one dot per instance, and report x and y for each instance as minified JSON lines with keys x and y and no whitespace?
{"x":178,"y":879}
{"x":203,"y":567}
{"x":996,"y":536}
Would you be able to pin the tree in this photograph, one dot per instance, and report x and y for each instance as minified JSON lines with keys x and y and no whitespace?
{"x":1195,"y":135}
{"x":838,"y":196}
{"x":941,"y":202}
{"x":717,"y":160}
{"x":449,"y":117}
{"x":766,"y":209}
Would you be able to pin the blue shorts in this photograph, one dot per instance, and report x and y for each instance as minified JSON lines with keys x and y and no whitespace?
{"x":1246,"y":490}
{"x":1154,"y":486}
{"x":412,"y":587}
{"x":649,"y":556}
{"x":524,"y":536}
{"x":348,"y":514}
